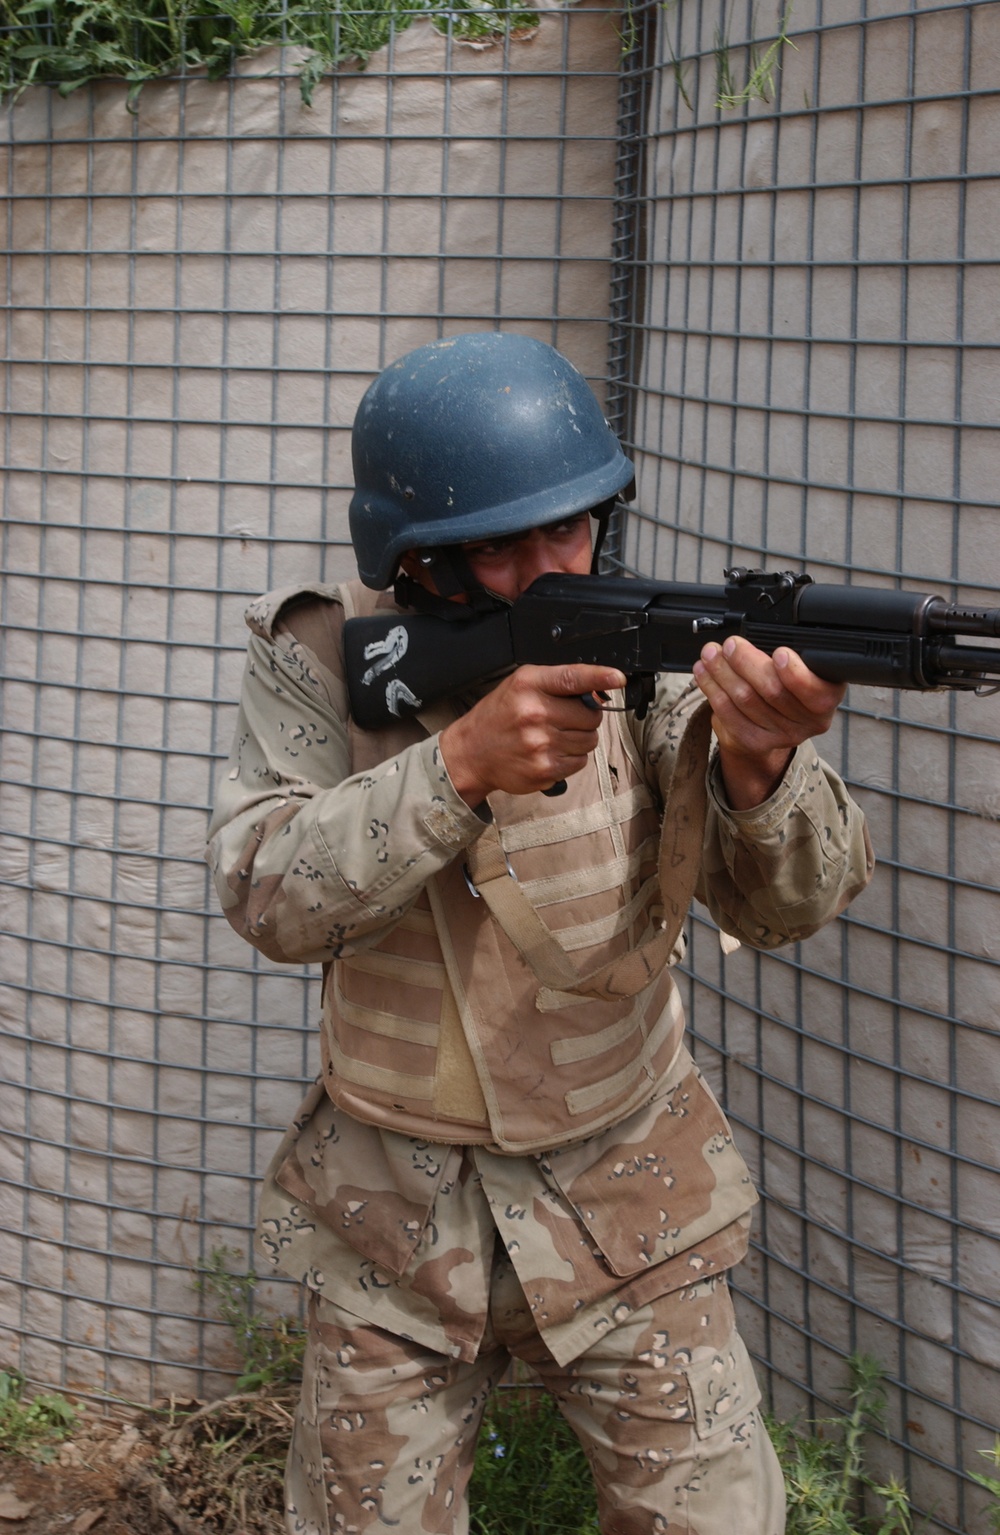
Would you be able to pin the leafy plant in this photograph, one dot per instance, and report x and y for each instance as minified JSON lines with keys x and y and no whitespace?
{"x":991,"y":1483}
{"x":270,"y":1347}
{"x":824,"y":1471}
{"x":531,"y":1476}
{"x":32,"y":1428}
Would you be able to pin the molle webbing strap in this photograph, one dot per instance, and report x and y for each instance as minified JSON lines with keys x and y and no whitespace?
{"x":681,"y":841}
{"x":565,"y":825}
{"x":597,"y":879}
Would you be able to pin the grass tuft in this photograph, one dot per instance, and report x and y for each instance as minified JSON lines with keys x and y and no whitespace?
{"x":34,"y":1428}
{"x":70,"y":43}
{"x":270,"y":1347}
{"x":760,"y":83}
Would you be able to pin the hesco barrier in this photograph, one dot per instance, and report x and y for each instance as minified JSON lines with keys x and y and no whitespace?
{"x":816,"y":388}
{"x":197,"y":298}
{"x":796,"y":298}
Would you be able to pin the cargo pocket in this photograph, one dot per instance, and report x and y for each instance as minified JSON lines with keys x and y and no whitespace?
{"x":722,"y":1388}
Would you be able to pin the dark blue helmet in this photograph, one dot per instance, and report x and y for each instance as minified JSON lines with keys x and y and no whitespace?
{"x":477,"y":436}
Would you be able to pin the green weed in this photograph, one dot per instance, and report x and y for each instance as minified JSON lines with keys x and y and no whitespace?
{"x":69,"y":43}
{"x":531,"y":1476}
{"x":760,"y":84}
{"x":678,"y":67}
{"x":824,"y":1468}
{"x":725,"y":84}
{"x":270,"y":1347}
{"x":991,"y":1483}
{"x":33,"y":1428}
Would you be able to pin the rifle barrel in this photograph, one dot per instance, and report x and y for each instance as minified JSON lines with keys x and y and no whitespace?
{"x":981,"y":622}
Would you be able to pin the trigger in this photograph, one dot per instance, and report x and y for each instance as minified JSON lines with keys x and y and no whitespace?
{"x":639,"y":694}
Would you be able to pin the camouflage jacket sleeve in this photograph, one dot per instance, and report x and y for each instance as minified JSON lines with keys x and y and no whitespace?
{"x":310,"y":861}
{"x":779,"y":872}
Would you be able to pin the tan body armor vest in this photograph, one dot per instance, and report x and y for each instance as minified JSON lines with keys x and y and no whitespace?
{"x":525,"y":1000}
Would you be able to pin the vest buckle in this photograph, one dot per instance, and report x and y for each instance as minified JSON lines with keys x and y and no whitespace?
{"x":473,"y":891}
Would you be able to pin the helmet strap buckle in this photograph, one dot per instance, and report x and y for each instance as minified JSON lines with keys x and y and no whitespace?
{"x":452,"y":575}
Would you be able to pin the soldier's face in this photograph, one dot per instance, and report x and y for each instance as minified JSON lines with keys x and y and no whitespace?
{"x":508,"y":565}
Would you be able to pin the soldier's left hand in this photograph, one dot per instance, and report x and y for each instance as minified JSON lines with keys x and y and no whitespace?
{"x":763,"y":707}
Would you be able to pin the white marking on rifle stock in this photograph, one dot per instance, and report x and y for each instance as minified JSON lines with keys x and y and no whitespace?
{"x":390,"y":650}
{"x":396,"y":693}
{"x":386,"y":654}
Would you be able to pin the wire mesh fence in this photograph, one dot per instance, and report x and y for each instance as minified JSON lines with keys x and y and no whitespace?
{"x":197,"y":297}
{"x":817,"y":389}
{"x":796,"y":297}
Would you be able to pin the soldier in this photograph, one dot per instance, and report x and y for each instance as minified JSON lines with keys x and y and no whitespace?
{"x":510,"y":1151}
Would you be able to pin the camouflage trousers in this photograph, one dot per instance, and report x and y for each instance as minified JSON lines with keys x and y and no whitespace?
{"x":664,"y":1405}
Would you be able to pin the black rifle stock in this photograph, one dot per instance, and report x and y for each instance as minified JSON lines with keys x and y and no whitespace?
{"x":398,"y":663}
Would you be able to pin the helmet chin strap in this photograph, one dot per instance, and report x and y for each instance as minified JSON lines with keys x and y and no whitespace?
{"x":452,"y":577}
{"x":602,"y":515}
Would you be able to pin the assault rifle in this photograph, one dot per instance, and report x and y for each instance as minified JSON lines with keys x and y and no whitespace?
{"x":399,"y":663}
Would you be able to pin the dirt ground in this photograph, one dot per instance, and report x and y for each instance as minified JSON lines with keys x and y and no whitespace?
{"x":188,"y":1469}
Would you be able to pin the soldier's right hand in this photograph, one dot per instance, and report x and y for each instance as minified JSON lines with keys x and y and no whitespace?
{"x":528,"y":732}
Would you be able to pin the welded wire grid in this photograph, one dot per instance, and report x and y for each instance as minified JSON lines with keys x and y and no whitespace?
{"x":818,"y":330}
{"x":196,"y":298}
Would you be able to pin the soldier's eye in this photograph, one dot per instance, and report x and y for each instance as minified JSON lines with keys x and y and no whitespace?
{"x":491,"y":550}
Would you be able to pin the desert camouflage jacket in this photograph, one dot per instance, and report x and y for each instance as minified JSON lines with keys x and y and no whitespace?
{"x":320,"y":847}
